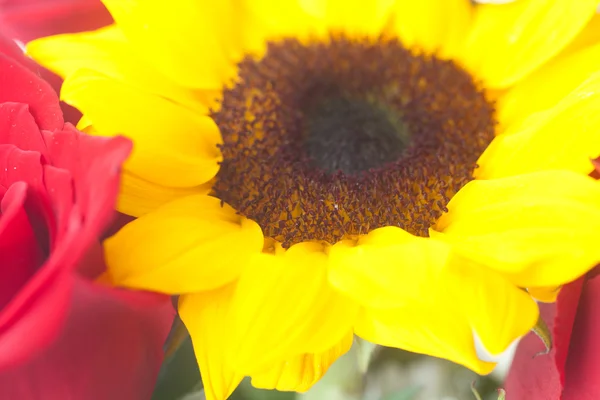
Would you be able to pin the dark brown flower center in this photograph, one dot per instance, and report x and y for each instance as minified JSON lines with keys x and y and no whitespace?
{"x":352,"y":135}
{"x":333,"y":139}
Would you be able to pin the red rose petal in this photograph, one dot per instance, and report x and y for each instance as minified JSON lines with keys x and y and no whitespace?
{"x":32,"y":317}
{"x":18,"y":128}
{"x":95,"y":163}
{"x":19,"y":165}
{"x":542,"y":377}
{"x":21,"y":252}
{"x":10,"y":49}
{"x":583,"y":362}
{"x":31,"y":19}
{"x":566,"y":311}
{"x":58,"y":184}
{"x":29,"y":325}
{"x":531,"y":377}
{"x":20,"y":85}
{"x":110,"y":348}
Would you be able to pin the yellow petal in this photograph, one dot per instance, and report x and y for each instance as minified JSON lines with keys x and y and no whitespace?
{"x":273,"y":20}
{"x":528,"y":227}
{"x":550,"y":84}
{"x":300,"y":372}
{"x":498,"y":311}
{"x":509,"y":41}
{"x":195,"y":43}
{"x":433,"y":25}
{"x":365,"y":271}
{"x":172,"y":145}
{"x":352,"y":17}
{"x":139,"y":196}
{"x":204,"y":316}
{"x":563,"y":137}
{"x":589,"y":36}
{"x":545,"y":294}
{"x":433,"y":331}
{"x":108,"y":52}
{"x":284,"y":306}
{"x":187,"y":245}
{"x":390,"y":270}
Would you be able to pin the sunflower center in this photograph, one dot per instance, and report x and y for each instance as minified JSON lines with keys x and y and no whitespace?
{"x":329,"y":140}
{"x":352,"y":135}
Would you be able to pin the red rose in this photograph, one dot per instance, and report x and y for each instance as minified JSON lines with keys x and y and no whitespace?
{"x":25,"y":20}
{"x":572,"y":369}
{"x":64,"y":334}
{"x":30,"y":19}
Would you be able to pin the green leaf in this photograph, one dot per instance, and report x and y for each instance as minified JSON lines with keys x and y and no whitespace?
{"x":178,"y":375}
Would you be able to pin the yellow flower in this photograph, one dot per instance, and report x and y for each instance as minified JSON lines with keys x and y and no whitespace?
{"x":309,"y":170}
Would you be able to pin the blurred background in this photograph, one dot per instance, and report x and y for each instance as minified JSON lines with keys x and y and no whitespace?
{"x":390,"y":374}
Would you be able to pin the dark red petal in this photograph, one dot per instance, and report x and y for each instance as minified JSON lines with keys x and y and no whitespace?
{"x":566,"y":311}
{"x":58,"y":184}
{"x":10,"y":49}
{"x":540,"y":377}
{"x":84,"y":209}
{"x":534,"y":378}
{"x":583,"y":362}
{"x":33,"y":324}
{"x":92,"y":265}
{"x":32,"y":316}
{"x":18,"y":128}
{"x":19,"y":165}
{"x":20,"y":85}
{"x":110,"y":348}
{"x":95,"y":163}
{"x":30,"y":19}
{"x":119,"y":222}
{"x":21,"y":252}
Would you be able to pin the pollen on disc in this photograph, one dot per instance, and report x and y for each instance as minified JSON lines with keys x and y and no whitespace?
{"x":330,"y":140}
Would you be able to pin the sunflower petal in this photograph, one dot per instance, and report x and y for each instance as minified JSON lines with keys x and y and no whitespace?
{"x":528,"y":227}
{"x":589,"y":36}
{"x":423,"y":275}
{"x":350,"y":16}
{"x":509,"y":41}
{"x":172,"y":146}
{"x":563,"y":137}
{"x":139,"y":196}
{"x":108,"y":52}
{"x":536,"y":94}
{"x":204,"y":316}
{"x":300,"y":372}
{"x":434,"y":25}
{"x":545,"y":294}
{"x":447,"y":335}
{"x":182,"y":247}
{"x":195,"y":44}
{"x":278,"y":20}
{"x":497,"y":310}
{"x":363,"y":270}
{"x":283,"y":306}
{"x":482,"y":303}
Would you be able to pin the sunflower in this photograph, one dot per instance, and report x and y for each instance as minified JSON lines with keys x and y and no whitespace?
{"x":411,"y":172}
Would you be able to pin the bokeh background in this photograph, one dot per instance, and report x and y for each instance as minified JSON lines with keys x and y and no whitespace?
{"x":391,"y":374}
